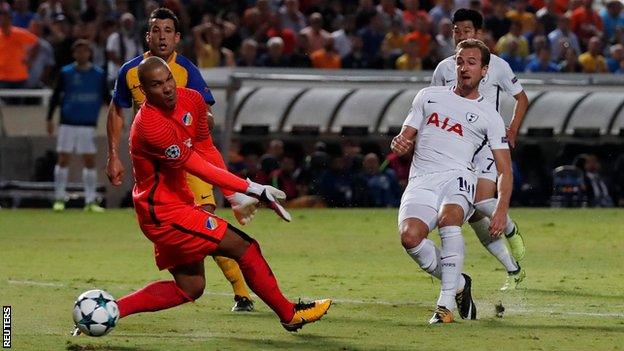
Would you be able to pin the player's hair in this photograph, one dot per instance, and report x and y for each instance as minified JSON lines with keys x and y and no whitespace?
{"x":469,"y":15}
{"x":164,"y":13}
{"x":476,"y":44}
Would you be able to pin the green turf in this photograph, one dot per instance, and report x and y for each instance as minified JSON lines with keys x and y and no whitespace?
{"x":572,"y":297}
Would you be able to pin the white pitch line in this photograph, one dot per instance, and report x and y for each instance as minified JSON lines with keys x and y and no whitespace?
{"x":30,"y":282}
{"x":380,"y":302}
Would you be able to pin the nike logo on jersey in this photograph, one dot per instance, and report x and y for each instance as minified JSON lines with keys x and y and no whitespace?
{"x":204,"y":197}
{"x":445,"y":257}
{"x":430,"y":102}
{"x":449,"y":80}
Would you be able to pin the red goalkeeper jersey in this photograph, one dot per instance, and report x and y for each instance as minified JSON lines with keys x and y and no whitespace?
{"x":161,"y":142}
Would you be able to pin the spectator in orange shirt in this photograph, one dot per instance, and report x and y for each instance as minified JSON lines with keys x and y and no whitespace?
{"x":326,"y":57}
{"x":413,"y":12}
{"x":586,"y":23}
{"x":17,"y":45}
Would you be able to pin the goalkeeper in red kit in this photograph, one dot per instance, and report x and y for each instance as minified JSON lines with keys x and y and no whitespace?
{"x":167,"y":141}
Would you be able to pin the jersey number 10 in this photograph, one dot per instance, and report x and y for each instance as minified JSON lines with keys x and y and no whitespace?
{"x":465,"y":187}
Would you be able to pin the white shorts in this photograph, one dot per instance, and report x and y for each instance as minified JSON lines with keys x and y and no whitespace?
{"x":426,"y":194}
{"x":76,"y":139}
{"x":485,"y":165}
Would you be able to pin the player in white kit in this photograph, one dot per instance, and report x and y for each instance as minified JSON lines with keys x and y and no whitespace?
{"x":467,"y":25}
{"x":445,"y":127}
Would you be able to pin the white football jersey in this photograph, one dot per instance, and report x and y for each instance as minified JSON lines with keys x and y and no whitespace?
{"x":499,"y":77}
{"x":451,"y":129}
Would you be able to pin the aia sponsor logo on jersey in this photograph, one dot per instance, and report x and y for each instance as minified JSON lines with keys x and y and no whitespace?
{"x":187,"y":119}
{"x":471,"y":117}
{"x":445,"y":125}
{"x":211,"y":223}
{"x":172,"y":152}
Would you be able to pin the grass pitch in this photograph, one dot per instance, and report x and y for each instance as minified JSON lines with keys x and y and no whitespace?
{"x":572,"y":298}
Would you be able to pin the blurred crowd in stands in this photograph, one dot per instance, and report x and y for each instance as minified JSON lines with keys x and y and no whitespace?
{"x":352,"y":174}
{"x":532,"y":35}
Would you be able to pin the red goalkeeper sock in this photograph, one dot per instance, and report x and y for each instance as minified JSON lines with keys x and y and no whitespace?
{"x":261,"y":280}
{"x":155,"y":296}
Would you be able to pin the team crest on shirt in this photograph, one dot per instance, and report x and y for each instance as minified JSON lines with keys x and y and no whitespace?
{"x":187,"y":119}
{"x":172,"y":152}
{"x":211,"y":223}
{"x":471,"y":117}
{"x":485,"y":78}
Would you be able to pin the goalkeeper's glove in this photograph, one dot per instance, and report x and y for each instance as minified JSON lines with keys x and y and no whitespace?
{"x":270,"y":196}
{"x":243,"y":206}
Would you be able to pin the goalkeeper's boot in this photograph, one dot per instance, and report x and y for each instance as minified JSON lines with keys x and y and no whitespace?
{"x":514,"y":279}
{"x":516,"y":243}
{"x":465,"y":304}
{"x":441,"y":315}
{"x":307,"y":313}
{"x":58,"y":206}
{"x":242,"y":304}
{"x":93,"y":207}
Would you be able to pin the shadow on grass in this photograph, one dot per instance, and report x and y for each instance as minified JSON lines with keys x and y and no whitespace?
{"x":516,"y":328}
{"x":301,"y":342}
{"x":563,"y":293}
{"x":86,"y":347}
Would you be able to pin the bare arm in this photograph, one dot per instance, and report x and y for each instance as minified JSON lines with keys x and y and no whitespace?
{"x":114,"y":127}
{"x":502,"y":157}
{"x":522,"y":103}
{"x":404,"y":142}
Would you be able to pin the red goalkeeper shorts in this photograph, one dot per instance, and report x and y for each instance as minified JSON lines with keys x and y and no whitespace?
{"x":190,"y":237}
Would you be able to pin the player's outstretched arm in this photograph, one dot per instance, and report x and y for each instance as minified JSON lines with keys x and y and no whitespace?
{"x":502,"y":157}
{"x":404,"y":142}
{"x":209,"y":173}
{"x":114,"y":127}
{"x":522,"y":104}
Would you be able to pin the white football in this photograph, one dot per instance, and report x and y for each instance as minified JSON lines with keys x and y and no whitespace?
{"x":95,"y":312}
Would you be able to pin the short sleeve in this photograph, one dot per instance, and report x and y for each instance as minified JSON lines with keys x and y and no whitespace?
{"x":196,"y":82}
{"x":508,"y":81}
{"x":416,"y":112}
{"x":496,"y":132}
{"x":438,"y":78}
{"x":121,"y":94}
{"x":161,"y":142}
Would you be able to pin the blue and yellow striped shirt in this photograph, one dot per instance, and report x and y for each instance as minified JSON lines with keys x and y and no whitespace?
{"x":184,"y":72}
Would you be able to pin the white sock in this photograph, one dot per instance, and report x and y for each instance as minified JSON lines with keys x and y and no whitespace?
{"x":496,"y":246}
{"x":60,"y":182}
{"x":452,"y":261}
{"x":89,"y":178}
{"x":427,"y":255}
{"x":487,"y":207}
